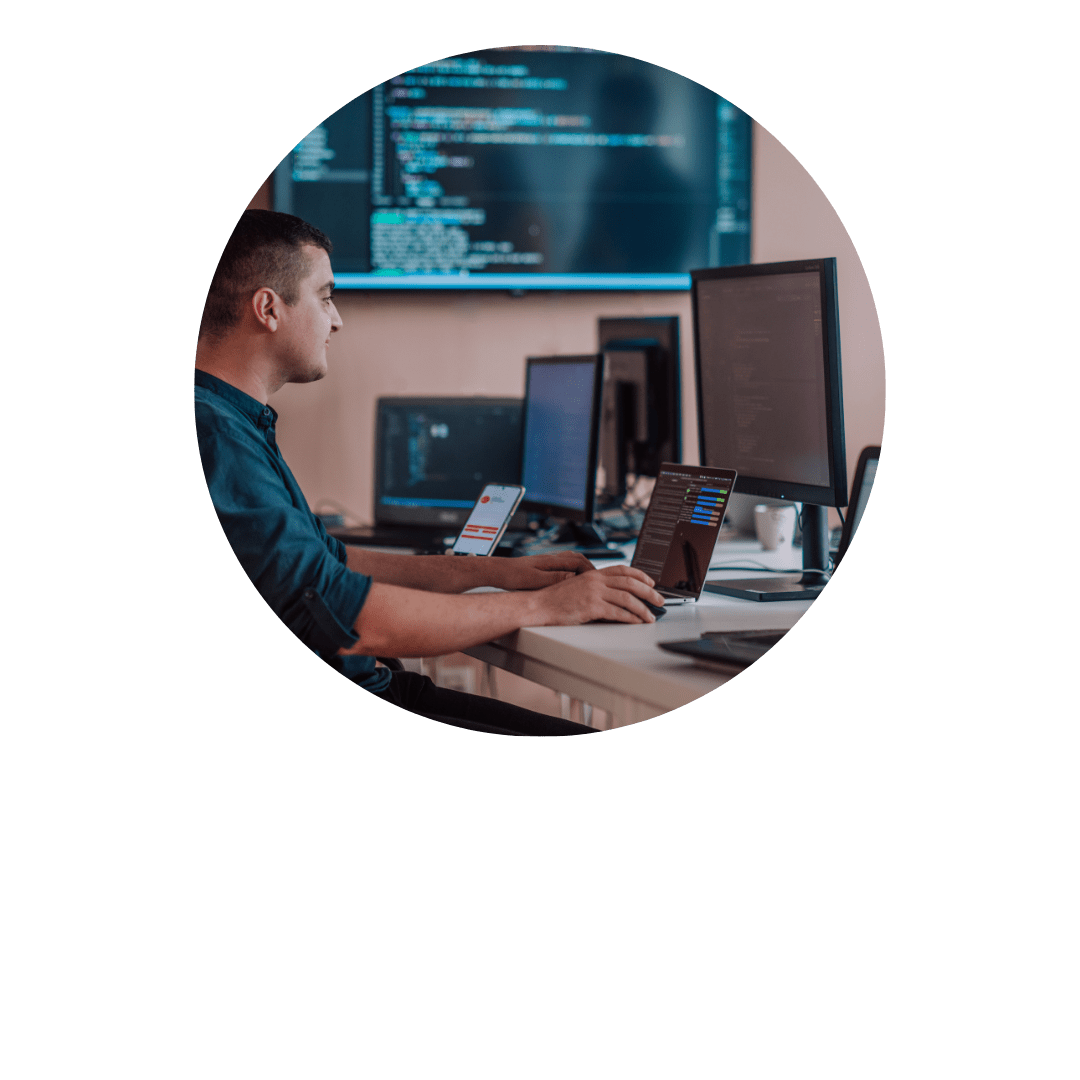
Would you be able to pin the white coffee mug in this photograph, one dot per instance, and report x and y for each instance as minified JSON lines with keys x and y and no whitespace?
{"x":774,"y":525}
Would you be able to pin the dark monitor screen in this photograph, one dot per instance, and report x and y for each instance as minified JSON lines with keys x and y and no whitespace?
{"x":560,"y":429}
{"x":770,"y":403}
{"x":433,"y":455}
{"x":640,"y":422}
{"x":527,"y":168}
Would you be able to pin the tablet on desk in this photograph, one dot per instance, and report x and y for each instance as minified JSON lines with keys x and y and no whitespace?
{"x":677,"y":538}
{"x":724,"y":649}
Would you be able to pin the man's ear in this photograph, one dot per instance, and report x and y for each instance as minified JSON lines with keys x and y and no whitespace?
{"x":266,"y":306}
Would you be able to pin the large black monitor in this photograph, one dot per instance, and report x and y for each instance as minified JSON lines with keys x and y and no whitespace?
{"x":769,"y":396}
{"x":640,"y":422}
{"x":433,"y":455}
{"x":559,"y":435}
{"x":527,"y":168}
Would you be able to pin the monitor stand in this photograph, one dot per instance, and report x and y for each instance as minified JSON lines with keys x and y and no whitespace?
{"x":586,"y":534}
{"x":586,"y":537}
{"x":589,"y":538}
{"x":815,"y":575}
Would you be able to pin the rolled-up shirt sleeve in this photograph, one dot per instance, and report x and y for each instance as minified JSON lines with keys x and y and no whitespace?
{"x":298,"y":569}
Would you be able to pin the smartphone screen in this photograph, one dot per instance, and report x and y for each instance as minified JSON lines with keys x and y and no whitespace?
{"x":488,"y":519}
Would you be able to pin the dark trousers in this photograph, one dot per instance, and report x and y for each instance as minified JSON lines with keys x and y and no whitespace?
{"x":418,"y":694}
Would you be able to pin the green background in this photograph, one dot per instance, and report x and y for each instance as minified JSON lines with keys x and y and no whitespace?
{"x":221,"y":860}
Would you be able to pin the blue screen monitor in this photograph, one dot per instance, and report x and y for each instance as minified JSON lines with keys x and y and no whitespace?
{"x":527,"y":168}
{"x":560,"y":429}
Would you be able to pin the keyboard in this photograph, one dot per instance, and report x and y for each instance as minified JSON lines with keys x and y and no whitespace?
{"x":402,"y":536}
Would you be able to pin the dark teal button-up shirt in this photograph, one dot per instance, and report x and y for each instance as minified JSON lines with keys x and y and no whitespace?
{"x":297,"y":567}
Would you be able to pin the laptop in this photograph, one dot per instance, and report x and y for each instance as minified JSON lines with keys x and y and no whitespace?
{"x":681,"y":526}
{"x":740,"y":648}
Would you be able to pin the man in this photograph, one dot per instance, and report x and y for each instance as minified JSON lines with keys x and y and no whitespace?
{"x":268,"y":320}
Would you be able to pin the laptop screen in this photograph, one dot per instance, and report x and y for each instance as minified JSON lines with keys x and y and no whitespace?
{"x":677,"y":538}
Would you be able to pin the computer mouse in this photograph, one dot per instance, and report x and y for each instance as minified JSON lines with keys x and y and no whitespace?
{"x":658,"y":612}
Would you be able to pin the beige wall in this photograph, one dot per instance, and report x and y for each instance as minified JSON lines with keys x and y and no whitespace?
{"x":794,"y":220}
{"x":476,"y":343}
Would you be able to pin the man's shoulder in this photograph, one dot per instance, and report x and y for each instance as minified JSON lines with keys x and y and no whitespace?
{"x":224,"y":399}
{"x":215,"y":411}
{"x":209,"y":403}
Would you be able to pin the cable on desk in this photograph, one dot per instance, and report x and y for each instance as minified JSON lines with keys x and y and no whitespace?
{"x":759,"y":566}
{"x":772,"y":570}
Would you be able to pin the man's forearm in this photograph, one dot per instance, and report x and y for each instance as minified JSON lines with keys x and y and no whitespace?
{"x":432,"y":573}
{"x":405,"y":622}
{"x":446,"y":574}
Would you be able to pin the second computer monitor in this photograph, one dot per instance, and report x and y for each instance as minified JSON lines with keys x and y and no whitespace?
{"x":560,"y":426}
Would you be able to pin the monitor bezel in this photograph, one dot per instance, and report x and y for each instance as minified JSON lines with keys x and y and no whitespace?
{"x":438,"y":517}
{"x":836,"y":492}
{"x":566,"y":513}
{"x":514,"y":284}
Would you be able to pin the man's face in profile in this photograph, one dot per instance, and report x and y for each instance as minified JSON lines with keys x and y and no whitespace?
{"x":306,"y":326}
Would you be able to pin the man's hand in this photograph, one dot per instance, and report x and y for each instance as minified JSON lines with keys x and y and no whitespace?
{"x":397,"y":621}
{"x":536,"y":571}
{"x":613,"y":594}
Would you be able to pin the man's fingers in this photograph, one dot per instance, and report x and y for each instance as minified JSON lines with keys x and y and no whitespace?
{"x":537,"y":576}
{"x":628,"y":571}
{"x":573,"y":561}
{"x":629,"y":604}
{"x":634,"y":586}
{"x":614,"y":613}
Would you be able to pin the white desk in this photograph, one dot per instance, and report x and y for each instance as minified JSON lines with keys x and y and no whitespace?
{"x":621,"y":669}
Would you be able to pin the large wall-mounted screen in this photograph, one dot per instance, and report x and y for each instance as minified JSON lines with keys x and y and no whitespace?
{"x":527,"y":168}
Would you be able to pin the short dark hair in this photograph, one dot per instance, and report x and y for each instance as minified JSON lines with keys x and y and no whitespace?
{"x":265,"y":250}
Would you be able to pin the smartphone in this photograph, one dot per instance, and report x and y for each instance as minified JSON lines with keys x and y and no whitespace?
{"x":488,"y":520}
